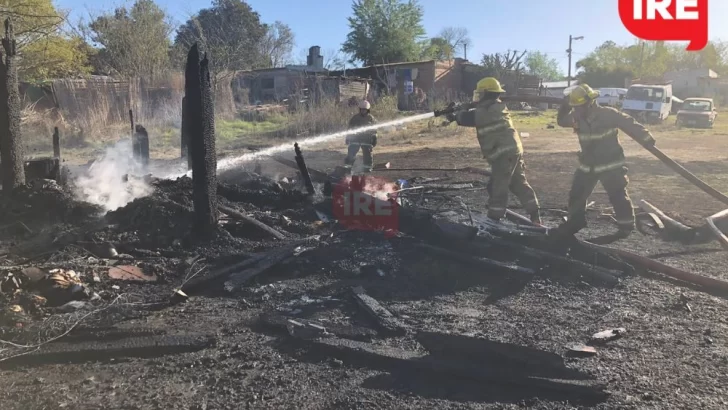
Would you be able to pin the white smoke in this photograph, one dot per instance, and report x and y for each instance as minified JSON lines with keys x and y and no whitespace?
{"x":104,"y":184}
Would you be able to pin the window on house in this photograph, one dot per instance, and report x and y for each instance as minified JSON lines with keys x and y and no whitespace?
{"x":267,"y":83}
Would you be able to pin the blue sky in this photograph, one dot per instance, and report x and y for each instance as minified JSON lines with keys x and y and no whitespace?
{"x":515,"y":24}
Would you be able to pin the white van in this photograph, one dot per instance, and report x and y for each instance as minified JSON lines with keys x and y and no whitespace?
{"x":648,"y":103}
{"x":611,"y":97}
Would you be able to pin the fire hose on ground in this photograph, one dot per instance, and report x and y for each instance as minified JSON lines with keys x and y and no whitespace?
{"x":672,"y":164}
{"x":647,"y":263}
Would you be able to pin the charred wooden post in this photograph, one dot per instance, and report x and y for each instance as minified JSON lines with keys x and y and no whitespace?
{"x":131,"y":121}
{"x":141,"y":145}
{"x":383,"y":317}
{"x":56,"y":143}
{"x":304,"y":170}
{"x":241,"y":216}
{"x":201,"y":131}
{"x":11,"y":147}
{"x":184,"y":137}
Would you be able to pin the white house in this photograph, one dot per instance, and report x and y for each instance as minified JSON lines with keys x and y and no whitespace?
{"x":691,"y":83}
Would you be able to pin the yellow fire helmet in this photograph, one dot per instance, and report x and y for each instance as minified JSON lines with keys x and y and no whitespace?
{"x":582,"y":95}
{"x":487,"y":84}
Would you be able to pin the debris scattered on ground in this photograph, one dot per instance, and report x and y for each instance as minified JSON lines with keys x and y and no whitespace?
{"x":378,"y":313}
{"x":581,"y":350}
{"x":607,"y":336}
{"x":133,"y":273}
{"x":343,"y":305}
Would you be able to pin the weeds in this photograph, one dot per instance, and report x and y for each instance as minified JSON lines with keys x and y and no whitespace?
{"x":95,"y":113}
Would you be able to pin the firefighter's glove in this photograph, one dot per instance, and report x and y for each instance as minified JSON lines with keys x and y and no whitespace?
{"x":649,"y":141}
{"x":374,"y":140}
{"x":347,"y":140}
{"x":451,"y":117}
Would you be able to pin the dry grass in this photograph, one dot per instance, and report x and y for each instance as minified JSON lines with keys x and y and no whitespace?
{"x":84,"y":134}
{"x":95,"y":112}
{"x":273,"y":126}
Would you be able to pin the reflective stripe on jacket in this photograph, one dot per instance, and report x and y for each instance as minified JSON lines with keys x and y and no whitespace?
{"x":599,"y":136}
{"x":496,"y":134}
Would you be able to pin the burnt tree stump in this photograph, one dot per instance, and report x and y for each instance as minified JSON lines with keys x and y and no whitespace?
{"x":200,"y":128}
{"x":56,"y":143}
{"x":11,"y":146}
{"x":140,"y":145}
{"x":131,"y":120}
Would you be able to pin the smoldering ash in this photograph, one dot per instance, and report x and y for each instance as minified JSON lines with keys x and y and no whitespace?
{"x":104,"y":184}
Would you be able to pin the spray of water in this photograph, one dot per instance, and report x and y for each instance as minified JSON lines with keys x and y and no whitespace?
{"x":237,"y":161}
{"x":103,"y":184}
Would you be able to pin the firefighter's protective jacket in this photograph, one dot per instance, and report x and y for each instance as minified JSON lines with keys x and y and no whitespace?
{"x":496,"y":134}
{"x":598,"y":135}
{"x":365,"y":137}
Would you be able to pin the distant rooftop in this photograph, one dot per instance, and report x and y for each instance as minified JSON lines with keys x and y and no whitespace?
{"x":558,"y":84}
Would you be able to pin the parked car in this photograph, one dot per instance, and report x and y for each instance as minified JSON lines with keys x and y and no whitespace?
{"x":611,"y":97}
{"x":648,"y":103}
{"x":697,"y":112}
{"x":676,"y":105}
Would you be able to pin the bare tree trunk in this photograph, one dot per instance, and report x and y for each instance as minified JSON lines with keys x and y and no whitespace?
{"x":11,"y":146}
{"x":200,"y":129}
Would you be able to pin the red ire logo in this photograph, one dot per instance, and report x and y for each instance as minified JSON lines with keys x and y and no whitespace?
{"x":668,"y":20}
{"x":366,"y":203}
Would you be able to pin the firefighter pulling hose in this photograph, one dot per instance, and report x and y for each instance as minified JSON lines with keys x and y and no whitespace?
{"x":601,"y":157}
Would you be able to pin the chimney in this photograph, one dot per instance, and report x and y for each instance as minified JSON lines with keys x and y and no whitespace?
{"x":315,"y":59}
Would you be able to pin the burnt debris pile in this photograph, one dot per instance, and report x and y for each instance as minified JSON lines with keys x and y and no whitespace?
{"x":268,"y":225}
{"x":43,"y":202}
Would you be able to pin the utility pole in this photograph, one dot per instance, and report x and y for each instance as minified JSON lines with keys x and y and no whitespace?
{"x":642,"y":57}
{"x":571,"y":38}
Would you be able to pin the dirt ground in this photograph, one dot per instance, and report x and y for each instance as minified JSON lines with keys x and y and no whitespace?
{"x":673,"y":356}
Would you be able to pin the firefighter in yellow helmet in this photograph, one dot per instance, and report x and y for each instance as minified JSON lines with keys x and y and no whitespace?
{"x":502,"y":148}
{"x":601,"y":158}
{"x":366,"y":141}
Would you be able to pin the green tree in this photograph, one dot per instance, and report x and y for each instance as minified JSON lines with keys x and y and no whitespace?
{"x":384,"y":31}
{"x":437,"y":49}
{"x":649,"y":59}
{"x":44,"y":50}
{"x":599,"y":77}
{"x":230,"y":31}
{"x":55,"y":56}
{"x":543,"y":66}
{"x":32,"y":19}
{"x":134,"y":42}
{"x":277,"y":44}
{"x":607,"y":55}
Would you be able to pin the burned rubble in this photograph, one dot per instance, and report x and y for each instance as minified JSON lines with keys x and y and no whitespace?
{"x":80,"y":285}
{"x":267,"y":229}
{"x":326,"y":293}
